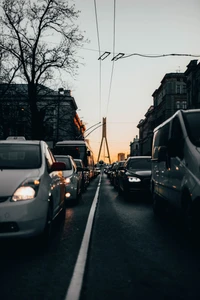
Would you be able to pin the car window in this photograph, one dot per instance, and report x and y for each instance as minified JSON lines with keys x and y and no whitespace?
{"x":140,"y":164}
{"x":78,"y":163}
{"x":20,"y":156}
{"x":192,"y":122}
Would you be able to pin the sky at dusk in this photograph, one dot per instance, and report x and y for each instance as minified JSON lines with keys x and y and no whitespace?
{"x":122,"y":91}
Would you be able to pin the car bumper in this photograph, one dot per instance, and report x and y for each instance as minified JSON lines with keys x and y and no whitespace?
{"x":22,"y":218}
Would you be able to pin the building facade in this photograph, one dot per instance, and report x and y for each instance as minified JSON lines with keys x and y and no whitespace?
{"x":120,"y":156}
{"x":134,"y":147}
{"x":58,"y":109}
{"x":167,"y":99}
{"x":192,"y":74}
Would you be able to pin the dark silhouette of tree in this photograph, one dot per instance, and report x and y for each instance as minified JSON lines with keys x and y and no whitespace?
{"x":37,"y":39}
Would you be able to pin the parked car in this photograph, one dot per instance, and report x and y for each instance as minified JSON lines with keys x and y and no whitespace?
{"x":85,"y":174}
{"x":73,"y":178}
{"x":176,"y":167}
{"x":134,"y":177}
{"x":32,"y":189}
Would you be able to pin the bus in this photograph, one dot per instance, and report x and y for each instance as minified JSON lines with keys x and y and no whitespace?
{"x":79,"y":149}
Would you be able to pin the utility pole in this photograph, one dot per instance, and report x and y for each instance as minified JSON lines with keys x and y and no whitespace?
{"x":104,"y":136}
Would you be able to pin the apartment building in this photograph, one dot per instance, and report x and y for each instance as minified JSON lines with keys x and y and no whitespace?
{"x":58,"y":110}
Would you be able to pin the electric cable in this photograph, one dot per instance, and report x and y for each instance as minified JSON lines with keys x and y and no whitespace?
{"x":98,"y":38}
{"x":112,"y":71}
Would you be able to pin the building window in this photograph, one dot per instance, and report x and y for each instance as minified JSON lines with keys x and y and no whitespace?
{"x":184,"y":104}
{"x":178,"y":104}
{"x":178,"y":88}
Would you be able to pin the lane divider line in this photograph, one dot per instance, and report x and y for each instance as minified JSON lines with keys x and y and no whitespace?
{"x":74,"y":290}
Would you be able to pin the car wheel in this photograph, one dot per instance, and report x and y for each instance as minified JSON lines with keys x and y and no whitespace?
{"x":159,"y":206}
{"x":46,"y":235}
{"x":119,"y":190}
{"x":190,"y":217}
{"x":126,"y":195}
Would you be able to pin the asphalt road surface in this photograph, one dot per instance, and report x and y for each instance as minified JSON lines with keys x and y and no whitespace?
{"x":131,"y":255}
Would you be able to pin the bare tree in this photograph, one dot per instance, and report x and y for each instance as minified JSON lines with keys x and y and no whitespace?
{"x":39,"y":37}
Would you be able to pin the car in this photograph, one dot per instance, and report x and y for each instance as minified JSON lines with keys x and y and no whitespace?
{"x":97,"y":170}
{"x":175,"y":181}
{"x":85,"y":174}
{"x":134,"y":177}
{"x":116,"y":174}
{"x":113,"y":172}
{"x":73,"y":179}
{"x":32,"y":189}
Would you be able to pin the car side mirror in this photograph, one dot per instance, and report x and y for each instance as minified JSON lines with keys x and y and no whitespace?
{"x":58,"y":166}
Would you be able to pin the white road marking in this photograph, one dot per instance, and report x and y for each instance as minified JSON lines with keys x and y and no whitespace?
{"x":75,"y":286}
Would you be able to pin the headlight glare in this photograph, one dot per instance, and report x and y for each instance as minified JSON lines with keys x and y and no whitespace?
{"x":24,"y":193}
{"x":27,"y":190}
{"x":133,"y":179}
{"x":67,"y":180}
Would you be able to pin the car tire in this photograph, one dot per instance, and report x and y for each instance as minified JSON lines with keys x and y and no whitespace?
{"x":159,"y":206}
{"x":126,"y":195}
{"x":47,"y":233}
{"x":119,"y":190}
{"x":190,"y":218}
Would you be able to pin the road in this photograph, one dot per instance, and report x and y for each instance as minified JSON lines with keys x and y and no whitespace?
{"x":132,"y":255}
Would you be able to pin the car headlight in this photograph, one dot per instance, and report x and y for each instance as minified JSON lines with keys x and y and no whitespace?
{"x":133,"y":179}
{"x":67,"y":180}
{"x":27,"y":190}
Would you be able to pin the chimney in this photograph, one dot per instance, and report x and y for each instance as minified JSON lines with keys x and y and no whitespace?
{"x":67,"y":93}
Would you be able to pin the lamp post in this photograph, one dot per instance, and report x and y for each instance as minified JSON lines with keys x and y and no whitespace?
{"x":58,"y":113}
{"x":90,"y":128}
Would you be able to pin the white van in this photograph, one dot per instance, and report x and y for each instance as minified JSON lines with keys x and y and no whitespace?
{"x":176,"y":166}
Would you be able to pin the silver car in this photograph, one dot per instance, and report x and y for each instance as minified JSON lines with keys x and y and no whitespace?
{"x":73,"y":178}
{"x":31,"y":189}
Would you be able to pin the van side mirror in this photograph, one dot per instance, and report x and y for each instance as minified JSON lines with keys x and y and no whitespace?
{"x":88,"y":153}
{"x":162,"y":153}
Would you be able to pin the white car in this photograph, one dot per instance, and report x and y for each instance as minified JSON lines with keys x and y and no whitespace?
{"x":73,"y":178}
{"x":31,"y":189}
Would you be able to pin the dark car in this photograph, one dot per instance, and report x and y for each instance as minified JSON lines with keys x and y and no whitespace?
{"x":85,"y":174}
{"x":134,"y":177}
{"x":116,"y":173}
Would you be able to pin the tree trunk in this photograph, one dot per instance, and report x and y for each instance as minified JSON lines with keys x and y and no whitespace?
{"x":37,"y":118}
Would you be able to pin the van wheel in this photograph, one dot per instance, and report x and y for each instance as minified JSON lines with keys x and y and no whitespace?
{"x":159,"y":207}
{"x":188,"y":218}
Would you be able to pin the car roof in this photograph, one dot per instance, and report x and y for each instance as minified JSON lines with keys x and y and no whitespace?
{"x":15,"y":141}
{"x":137,"y":157}
{"x":62,"y":155}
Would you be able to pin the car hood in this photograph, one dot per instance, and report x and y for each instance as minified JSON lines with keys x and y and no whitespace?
{"x":144,"y":173}
{"x":10,"y":180}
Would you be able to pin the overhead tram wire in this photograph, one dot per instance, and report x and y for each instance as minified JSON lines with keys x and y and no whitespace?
{"x":112,"y":71}
{"x":98,"y":38}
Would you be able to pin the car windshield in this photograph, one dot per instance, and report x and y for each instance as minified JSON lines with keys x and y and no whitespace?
{"x":192,"y":122}
{"x":139,"y":164}
{"x":20,"y":156}
{"x":66,"y":160}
